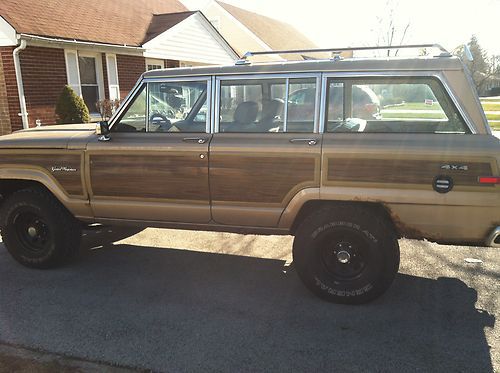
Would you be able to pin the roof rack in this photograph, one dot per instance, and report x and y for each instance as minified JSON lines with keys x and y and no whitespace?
{"x":243,"y":60}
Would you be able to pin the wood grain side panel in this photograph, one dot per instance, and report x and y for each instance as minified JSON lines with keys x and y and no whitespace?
{"x":160,"y":176}
{"x":402,"y":171}
{"x":67,"y":168}
{"x":237,"y":178}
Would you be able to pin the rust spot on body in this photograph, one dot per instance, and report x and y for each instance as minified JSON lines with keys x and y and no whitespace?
{"x":404,"y":230}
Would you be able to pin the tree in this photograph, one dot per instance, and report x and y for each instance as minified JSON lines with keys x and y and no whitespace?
{"x":482,"y":67}
{"x":71,"y":108}
{"x":392,"y":28}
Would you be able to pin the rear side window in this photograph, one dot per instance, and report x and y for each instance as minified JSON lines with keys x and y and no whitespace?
{"x":268,"y":105}
{"x":401,"y":105}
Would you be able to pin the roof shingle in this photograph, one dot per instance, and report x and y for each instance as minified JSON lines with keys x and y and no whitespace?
{"x":121,"y":22}
{"x":276,"y":34}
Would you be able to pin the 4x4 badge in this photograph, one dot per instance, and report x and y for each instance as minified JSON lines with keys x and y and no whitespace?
{"x":455,"y":167}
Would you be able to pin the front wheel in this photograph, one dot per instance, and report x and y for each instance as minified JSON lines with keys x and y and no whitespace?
{"x":37,"y":230}
{"x":346,"y":254}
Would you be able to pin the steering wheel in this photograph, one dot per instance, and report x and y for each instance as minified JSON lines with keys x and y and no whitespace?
{"x":161,"y":122}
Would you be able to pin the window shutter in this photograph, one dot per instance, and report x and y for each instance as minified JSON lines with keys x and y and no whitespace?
{"x":112,"y":70}
{"x":72,"y":71}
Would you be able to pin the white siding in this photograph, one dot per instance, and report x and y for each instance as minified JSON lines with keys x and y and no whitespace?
{"x":7,"y":34}
{"x":112,"y":72}
{"x":193,"y":39}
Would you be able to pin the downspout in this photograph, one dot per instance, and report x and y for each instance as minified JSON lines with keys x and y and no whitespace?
{"x":19,"y":79}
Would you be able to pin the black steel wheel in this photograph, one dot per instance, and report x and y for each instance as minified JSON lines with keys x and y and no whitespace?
{"x":346,"y":254}
{"x":37,"y":230}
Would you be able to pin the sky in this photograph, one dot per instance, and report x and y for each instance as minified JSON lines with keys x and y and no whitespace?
{"x":333,"y":23}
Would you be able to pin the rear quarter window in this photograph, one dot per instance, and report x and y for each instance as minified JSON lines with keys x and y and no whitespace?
{"x":400,"y":105}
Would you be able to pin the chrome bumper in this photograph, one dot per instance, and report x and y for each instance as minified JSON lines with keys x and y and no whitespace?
{"x":493,"y":239}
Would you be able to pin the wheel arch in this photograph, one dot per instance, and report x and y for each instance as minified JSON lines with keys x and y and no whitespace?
{"x":310,"y":206}
{"x":12,"y":180}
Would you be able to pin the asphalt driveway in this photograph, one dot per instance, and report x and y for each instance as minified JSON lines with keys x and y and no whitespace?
{"x":179,"y":301}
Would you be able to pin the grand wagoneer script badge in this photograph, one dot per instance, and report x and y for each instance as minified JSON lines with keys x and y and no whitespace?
{"x":63,"y":169}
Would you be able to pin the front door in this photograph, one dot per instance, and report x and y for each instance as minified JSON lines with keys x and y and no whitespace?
{"x":155,"y":167}
{"x":266,"y":148}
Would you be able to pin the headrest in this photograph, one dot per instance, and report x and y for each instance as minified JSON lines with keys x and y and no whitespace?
{"x":271,"y":108}
{"x":246,"y":112}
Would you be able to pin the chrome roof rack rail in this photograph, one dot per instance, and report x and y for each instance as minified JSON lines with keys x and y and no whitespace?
{"x":243,"y":60}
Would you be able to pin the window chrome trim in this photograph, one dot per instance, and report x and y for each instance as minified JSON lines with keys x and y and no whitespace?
{"x":126,"y":102}
{"x":216,"y":118}
{"x":147,"y":107}
{"x":322,"y":104}
{"x":179,"y":79}
{"x":285,"y":109}
{"x":145,"y":81}
{"x":208,"y":120}
{"x":409,"y":74}
{"x":267,"y":76}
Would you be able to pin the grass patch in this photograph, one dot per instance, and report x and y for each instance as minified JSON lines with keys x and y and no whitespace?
{"x":495,"y":126}
{"x":414,"y":106}
{"x":437,"y":115}
{"x":487,"y":106}
{"x":493,"y":116}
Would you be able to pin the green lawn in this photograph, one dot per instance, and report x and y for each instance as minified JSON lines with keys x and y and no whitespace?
{"x":414,"y":106}
{"x":495,"y":116}
{"x":495,"y":126}
{"x":488,"y":106}
{"x":403,"y":115}
{"x":492,"y":105}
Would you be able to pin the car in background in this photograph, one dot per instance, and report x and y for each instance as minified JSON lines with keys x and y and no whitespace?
{"x":365,"y":103}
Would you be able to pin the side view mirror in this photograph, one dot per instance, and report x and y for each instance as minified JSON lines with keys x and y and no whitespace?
{"x":102,"y":128}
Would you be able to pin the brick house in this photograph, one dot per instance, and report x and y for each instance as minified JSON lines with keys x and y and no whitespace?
{"x":99,"y":48}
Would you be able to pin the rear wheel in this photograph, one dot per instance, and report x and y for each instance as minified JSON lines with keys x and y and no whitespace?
{"x":37,"y":230}
{"x":346,"y":254}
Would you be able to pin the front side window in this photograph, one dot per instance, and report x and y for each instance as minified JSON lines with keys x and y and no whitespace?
{"x":177,"y":107}
{"x":418,"y":105}
{"x":268,"y":105}
{"x":134,"y":118}
{"x":167,"y":107}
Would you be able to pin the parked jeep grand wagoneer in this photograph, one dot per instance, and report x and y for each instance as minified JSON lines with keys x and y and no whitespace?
{"x":347,"y":155}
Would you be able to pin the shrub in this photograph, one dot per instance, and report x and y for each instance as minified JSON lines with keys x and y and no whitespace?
{"x":106,"y":108}
{"x":71,"y":108}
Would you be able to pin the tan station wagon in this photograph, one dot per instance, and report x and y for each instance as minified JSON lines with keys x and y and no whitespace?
{"x":347,"y":155}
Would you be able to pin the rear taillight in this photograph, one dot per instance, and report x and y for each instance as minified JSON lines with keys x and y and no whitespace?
{"x":489,"y":180}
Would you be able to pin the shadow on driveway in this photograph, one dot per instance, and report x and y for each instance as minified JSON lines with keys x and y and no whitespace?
{"x":179,"y":310}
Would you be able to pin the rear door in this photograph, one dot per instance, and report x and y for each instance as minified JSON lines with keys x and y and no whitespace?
{"x":266,"y":146}
{"x":155,"y":166}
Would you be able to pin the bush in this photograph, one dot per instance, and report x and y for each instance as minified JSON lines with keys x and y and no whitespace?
{"x":71,"y":108}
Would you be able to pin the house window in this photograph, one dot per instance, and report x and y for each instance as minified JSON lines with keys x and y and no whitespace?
{"x":85,"y":76}
{"x":88,"y":81}
{"x":154,"y":64}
